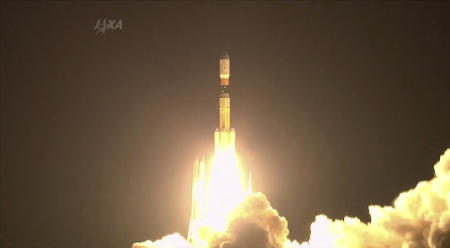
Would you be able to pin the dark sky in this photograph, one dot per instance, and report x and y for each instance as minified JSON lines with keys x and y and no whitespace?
{"x":336,"y":106}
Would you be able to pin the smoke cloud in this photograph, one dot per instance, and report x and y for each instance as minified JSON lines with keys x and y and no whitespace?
{"x":418,"y":218}
{"x":254,"y":223}
{"x":170,"y":241}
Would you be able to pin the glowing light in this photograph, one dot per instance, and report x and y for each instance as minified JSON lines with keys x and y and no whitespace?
{"x":225,"y":191}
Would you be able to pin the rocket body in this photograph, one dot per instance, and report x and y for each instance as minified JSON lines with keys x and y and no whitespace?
{"x":224,"y":136}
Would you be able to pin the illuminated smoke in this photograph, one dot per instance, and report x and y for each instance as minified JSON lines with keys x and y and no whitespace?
{"x":254,"y":223}
{"x":170,"y":241}
{"x":419,"y":218}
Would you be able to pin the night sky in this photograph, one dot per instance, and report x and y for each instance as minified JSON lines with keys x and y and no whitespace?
{"x":336,"y":106}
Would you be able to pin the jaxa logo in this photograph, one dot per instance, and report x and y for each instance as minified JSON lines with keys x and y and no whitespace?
{"x":107,"y":24}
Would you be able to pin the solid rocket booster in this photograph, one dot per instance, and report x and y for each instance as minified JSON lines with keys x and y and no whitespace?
{"x":224,"y":136}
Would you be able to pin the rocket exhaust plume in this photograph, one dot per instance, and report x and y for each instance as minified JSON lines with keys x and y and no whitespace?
{"x":226,"y":215}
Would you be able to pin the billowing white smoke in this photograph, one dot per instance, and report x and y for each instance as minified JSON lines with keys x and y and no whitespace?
{"x":254,"y":223}
{"x":170,"y":241}
{"x":419,"y":218}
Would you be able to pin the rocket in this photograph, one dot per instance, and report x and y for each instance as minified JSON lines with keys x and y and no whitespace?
{"x":224,"y":141}
{"x":224,"y":136}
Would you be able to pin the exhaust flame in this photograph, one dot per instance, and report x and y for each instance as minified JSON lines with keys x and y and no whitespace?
{"x":213,"y":201}
{"x":225,"y":191}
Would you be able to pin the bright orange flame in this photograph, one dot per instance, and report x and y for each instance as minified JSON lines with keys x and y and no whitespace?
{"x":225,"y":191}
